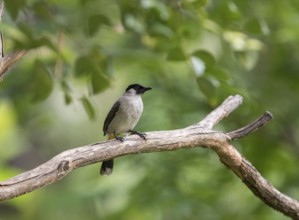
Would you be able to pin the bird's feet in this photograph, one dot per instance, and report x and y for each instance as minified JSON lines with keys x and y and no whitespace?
{"x":119,"y":138}
{"x":140,"y":134}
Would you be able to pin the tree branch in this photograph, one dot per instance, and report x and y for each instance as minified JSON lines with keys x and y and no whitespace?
{"x":199,"y":134}
{"x":222,"y":111}
{"x":7,"y":61}
{"x":261,"y":121}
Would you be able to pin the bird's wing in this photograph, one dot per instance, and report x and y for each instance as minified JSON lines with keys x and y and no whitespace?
{"x":110,"y":116}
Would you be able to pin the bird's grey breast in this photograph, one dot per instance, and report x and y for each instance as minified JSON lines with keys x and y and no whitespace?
{"x":128,"y":114}
{"x":132,"y":106}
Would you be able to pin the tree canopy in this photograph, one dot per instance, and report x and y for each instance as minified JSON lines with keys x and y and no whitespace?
{"x":193,"y":53}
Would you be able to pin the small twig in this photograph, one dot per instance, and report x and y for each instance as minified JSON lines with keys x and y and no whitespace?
{"x":261,"y":121}
{"x":59,"y":62}
{"x":9,"y":60}
{"x":1,"y":35}
{"x":1,"y":9}
{"x":1,"y":45}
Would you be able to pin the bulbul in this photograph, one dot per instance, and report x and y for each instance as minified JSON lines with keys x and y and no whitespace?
{"x":122,"y":118}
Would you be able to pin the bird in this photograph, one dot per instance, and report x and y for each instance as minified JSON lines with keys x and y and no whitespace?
{"x":122,"y":118}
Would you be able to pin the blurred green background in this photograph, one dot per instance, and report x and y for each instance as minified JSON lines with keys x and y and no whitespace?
{"x":193,"y":53}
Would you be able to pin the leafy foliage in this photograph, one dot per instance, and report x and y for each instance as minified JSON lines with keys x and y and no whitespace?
{"x":194,"y":53}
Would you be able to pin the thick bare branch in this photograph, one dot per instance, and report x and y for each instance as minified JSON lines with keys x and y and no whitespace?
{"x":222,"y":111}
{"x":256,"y":182}
{"x":199,"y":134}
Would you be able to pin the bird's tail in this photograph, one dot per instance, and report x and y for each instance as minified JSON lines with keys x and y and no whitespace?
{"x":107,"y":166}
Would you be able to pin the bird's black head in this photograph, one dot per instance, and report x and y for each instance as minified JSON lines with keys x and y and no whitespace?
{"x":139,"y":89}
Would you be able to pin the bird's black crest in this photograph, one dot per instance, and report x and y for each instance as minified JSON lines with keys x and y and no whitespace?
{"x":138,"y":88}
{"x":134,"y":86}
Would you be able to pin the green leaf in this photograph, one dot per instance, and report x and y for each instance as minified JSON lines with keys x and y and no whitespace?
{"x":27,"y":39}
{"x":14,"y":6}
{"x":161,"y":30}
{"x":99,"y":82}
{"x":67,"y":98}
{"x":218,"y":73}
{"x":208,"y":89}
{"x":42,"y":82}
{"x":88,"y":107}
{"x":65,"y":86}
{"x":26,"y":29}
{"x":96,"y":54}
{"x":42,"y":10}
{"x":248,"y":59}
{"x":201,"y":3}
{"x":86,"y":65}
{"x":83,"y":2}
{"x":256,"y":26}
{"x":95,"y":22}
{"x":206,"y":57}
{"x":45,"y":41}
{"x":83,"y":66}
{"x":66,"y":90}
{"x":176,"y":54}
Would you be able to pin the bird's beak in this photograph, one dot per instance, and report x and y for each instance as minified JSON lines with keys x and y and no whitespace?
{"x":146,"y":89}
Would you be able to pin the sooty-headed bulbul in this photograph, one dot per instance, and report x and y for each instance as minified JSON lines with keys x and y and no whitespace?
{"x":122,"y":118}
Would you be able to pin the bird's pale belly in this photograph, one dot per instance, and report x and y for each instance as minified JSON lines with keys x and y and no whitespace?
{"x":127,"y":116}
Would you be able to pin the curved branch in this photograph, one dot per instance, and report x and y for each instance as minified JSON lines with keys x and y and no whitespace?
{"x":242,"y":132}
{"x":199,"y":134}
{"x":222,"y":111}
{"x":261,"y":187}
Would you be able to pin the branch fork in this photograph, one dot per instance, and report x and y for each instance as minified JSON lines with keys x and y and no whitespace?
{"x":196,"y":135}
